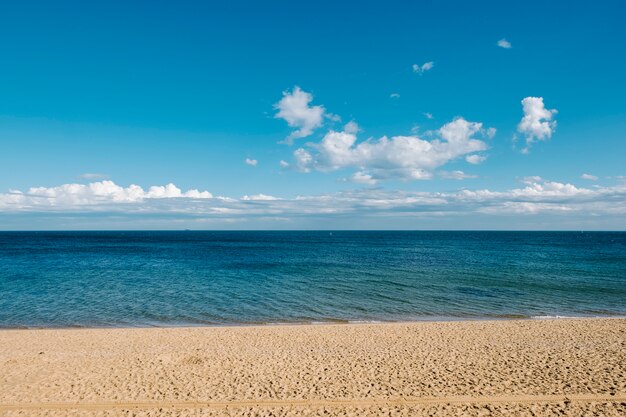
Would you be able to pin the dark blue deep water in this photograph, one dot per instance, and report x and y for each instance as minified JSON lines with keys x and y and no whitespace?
{"x":50,"y":279}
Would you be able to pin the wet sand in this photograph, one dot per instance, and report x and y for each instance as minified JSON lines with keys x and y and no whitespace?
{"x":518,"y":367}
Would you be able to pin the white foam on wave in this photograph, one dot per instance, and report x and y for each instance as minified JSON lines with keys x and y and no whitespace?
{"x":364,"y":321}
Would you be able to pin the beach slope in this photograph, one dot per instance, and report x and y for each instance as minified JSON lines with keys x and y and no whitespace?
{"x":518,"y":367}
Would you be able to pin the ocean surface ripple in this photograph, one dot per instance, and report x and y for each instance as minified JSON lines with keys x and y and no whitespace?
{"x":93,"y":279}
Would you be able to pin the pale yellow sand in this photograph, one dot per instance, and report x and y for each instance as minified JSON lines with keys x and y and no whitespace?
{"x":524,"y":367}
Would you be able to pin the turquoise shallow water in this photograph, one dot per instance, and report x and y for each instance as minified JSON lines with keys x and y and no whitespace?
{"x":59,"y":279}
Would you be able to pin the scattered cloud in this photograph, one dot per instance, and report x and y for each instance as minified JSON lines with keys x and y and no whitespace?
{"x":352,"y":128}
{"x":428,"y":115}
{"x":259,"y":197}
{"x":456,"y":175}
{"x":589,"y":177}
{"x":304,"y":160}
{"x":427,"y":66}
{"x":398,"y":157}
{"x":532,"y":179}
{"x":536,"y":124}
{"x":394,"y":95}
{"x":251,"y":162}
{"x":296,"y":110}
{"x":332,"y":117}
{"x":363,"y":178}
{"x":387,"y":158}
{"x":475,"y":159}
{"x":93,"y":176}
{"x":503,"y":43}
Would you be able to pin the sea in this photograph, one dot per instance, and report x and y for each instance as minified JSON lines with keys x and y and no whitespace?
{"x":199,"y":278}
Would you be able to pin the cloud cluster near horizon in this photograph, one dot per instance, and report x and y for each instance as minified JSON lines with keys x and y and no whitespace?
{"x":92,"y":194}
{"x":536,"y":196}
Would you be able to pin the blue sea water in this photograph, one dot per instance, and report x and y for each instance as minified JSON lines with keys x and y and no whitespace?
{"x":93,"y":279}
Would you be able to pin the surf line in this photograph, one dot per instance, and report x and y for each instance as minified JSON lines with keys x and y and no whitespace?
{"x":360,"y":402}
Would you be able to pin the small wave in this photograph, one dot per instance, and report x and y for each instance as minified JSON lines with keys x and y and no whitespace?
{"x":329,"y":321}
{"x":365,"y":321}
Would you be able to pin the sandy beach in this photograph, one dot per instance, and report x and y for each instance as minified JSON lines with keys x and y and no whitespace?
{"x":518,"y":367}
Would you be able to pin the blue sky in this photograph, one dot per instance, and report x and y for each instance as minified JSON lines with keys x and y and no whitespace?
{"x":150,"y":94}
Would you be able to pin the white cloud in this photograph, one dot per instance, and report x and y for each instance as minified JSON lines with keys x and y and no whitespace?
{"x":475,"y":159}
{"x":303,"y":160}
{"x":251,"y":162}
{"x":294,"y":108}
{"x":456,"y":175}
{"x":352,"y":128}
{"x":332,"y":117}
{"x":399,"y":157}
{"x":93,"y":176}
{"x":363,"y":178}
{"x":163,"y":191}
{"x":95,"y":193}
{"x":403,"y":157}
{"x":589,"y":177}
{"x":532,"y":179}
{"x":259,"y":197}
{"x":537,"y":196}
{"x":503,"y":43}
{"x":394,"y":95}
{"x":538,"y":187}
{"x":428,"y":115}
{"x":427,"y":66}
{"x":537,"y":123}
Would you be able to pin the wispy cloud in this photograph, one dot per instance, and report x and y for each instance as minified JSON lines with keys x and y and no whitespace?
{"x":456,"y":175}
{"x":352,"y":128}
{"x":93,"y":176}
{"x":394,"y":95}
{"x":251,"y":162}
{"x":503,"y":43}
{"x":427,"y":66}
{"x":475,"y":159}
{"x":589,"y":177}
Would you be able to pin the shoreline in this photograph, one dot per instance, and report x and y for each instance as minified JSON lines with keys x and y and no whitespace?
{"x":319,"y":323}
{"x":529,"y":367}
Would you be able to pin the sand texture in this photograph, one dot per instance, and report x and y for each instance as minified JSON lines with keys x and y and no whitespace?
{"x":520,"y":367}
